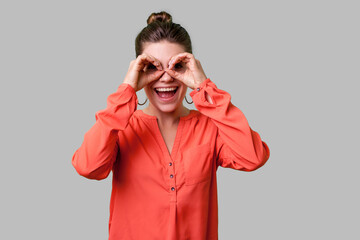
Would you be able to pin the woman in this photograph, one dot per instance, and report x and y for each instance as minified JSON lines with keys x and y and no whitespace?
{"x":164,"y":158}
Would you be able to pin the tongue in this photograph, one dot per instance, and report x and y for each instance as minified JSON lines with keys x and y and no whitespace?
{"x":166,"y":94}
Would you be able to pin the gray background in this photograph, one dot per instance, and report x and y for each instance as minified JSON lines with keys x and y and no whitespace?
{"x":290,"y":66}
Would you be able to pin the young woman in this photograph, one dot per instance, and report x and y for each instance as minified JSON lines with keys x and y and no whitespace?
{"x":164,"y":158}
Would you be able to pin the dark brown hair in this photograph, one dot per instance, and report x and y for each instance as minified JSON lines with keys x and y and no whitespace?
{"x":160,"y":27}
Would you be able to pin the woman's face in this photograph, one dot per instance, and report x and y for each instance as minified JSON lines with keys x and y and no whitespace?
{"x":165,"y":94}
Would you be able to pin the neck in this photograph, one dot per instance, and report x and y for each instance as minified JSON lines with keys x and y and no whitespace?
{"x":167,"y":118}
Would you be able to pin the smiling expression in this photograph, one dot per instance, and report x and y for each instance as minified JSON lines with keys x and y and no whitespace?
{"x":165,"y":94}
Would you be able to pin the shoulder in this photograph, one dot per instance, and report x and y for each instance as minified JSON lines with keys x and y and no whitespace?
{"x":194,"y":115}
{"x":199,"y":120}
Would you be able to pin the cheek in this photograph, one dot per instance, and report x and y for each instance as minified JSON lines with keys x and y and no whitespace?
{"x":183,"y":91}
{"x":148,"y":90}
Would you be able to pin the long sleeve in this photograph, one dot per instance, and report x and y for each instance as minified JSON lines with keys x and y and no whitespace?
{"x":97,"y":153}
{"x":237,"y":145}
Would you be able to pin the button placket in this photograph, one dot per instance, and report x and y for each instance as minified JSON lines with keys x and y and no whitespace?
{"x":172,"y":179}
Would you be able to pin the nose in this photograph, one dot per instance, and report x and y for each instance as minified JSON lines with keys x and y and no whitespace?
{"x":166,"y":78}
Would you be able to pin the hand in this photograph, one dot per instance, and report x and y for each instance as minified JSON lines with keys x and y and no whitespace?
{"x":142,"y":71}
{"x":192,"y":74}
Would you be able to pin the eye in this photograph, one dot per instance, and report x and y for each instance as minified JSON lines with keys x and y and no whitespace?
{"x":178,"y":66}
{"x":150,"y":66}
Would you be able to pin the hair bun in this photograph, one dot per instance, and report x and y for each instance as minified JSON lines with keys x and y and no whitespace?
{"x":161,"y":17}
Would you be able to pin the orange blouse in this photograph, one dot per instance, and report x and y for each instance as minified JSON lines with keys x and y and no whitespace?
{"x":157,"y":195}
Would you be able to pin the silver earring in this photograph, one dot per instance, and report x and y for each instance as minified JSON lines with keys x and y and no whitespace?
{"x":188,"y":101}
{"x":143,"y":102}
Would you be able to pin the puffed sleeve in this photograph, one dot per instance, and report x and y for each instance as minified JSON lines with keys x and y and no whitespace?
{"x":237,"y":145}
{"x":97,"y":153}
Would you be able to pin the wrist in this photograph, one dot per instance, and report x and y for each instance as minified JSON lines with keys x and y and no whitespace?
{"x":131,"y":84}
{"x":198,"y":84}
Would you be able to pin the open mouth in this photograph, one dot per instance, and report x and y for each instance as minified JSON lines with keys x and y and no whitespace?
{"x":166,"y":93}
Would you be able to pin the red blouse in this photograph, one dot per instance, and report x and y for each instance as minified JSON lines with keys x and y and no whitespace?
{"x":157,"y":195}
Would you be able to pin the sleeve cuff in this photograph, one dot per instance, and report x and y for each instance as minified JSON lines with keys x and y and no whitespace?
{"x":202,"y":86}
{"x":128,"y":90}
{"x":127,"y":86}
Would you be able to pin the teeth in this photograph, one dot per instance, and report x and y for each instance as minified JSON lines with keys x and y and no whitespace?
{"x":165,"y":89}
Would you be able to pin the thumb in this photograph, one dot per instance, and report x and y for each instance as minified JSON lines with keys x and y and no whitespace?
{"x":155,"y":76}
{"x":173,"y":74}
{"x":158,"y":73}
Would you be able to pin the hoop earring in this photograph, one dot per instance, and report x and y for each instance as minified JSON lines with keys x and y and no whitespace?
{"x":188,"y":101}
{"x":143,"y":102}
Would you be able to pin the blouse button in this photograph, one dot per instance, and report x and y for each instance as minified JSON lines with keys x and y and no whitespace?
{"x":171,"y":176}
{"x":172,"y":189}
{"x":198,"y":89}
{"x":170,"y":163}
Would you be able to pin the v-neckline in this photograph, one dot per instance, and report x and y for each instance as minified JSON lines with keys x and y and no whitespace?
{"x":176,"y":140}
{"x":179,"y":130}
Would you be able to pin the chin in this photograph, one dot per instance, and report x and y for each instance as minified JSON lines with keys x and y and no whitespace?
{"x":167,"y":108}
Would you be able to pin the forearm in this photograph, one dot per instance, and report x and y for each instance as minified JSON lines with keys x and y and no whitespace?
{"x":98,"y":151}
{"x":241,"y":146}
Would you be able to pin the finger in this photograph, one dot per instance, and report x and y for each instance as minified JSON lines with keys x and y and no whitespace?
{"x":180,"y":77}
{"x":184,"y":61}
{"x":144,"y":60}
{"x":198,"y":62}
{"x":175,"y":75}
{"x":155,"y":76}
{"x":176,"y":59}
{"x":181,"y":57}
{"x":156,"y":63}
{"x":199,"y":65}
{"x":152,"y":77}
{"x":146,"y":78}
